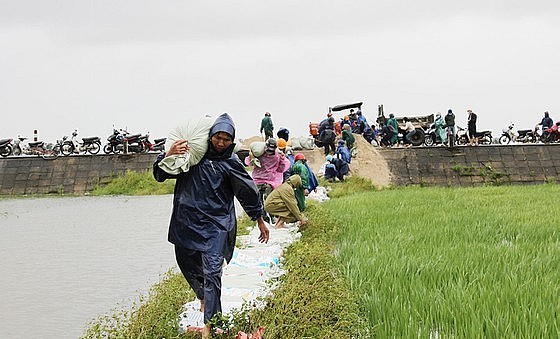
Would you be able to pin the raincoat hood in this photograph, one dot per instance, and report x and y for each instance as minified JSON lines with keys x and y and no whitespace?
{"x":295,"y":181}
{"x":223,"y":123}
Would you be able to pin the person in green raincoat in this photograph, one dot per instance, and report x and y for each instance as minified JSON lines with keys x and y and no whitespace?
{"x":440,"y":128}
{"x":299,"y":168}
{"x":393,"y":122}
{"x":282,"y":203}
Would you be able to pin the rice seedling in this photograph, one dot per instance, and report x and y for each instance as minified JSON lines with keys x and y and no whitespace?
{"x":448,"y":262}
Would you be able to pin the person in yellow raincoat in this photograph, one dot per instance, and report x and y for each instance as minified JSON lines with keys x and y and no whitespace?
{"x":283,"y":204}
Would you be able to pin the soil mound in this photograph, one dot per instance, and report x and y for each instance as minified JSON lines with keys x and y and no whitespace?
{"x":369,"y":164}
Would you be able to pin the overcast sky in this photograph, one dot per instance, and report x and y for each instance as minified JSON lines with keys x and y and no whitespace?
{"x":148,"y":65}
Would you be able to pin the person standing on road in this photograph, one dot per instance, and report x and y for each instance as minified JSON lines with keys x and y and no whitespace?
{"x":267,"y":126}
{"x":450,"y":127}
{"x":471,"y":124}
{"x":440,"y":133}
{"x":203,"y":224}
{"x":328,"y":136}
{"x":546,"y":122}
{"x":392,"y":124}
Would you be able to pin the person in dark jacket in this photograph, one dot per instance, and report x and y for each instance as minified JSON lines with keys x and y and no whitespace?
{"x":450,"y":127}
{"x":328,"y":136}
{"x":203,"y":224}
{"x":335,"y":168}
{"x":342,"y":151}
{"x":546,"y":122}
{"x":283,"y":133}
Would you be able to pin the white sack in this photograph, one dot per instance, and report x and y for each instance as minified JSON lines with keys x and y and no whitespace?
{"x":195,"y":131}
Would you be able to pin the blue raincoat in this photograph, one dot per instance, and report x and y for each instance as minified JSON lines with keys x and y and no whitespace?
{"x":203,"y":220}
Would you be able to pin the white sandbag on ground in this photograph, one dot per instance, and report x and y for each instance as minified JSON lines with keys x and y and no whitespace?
{"x":307,"y":142}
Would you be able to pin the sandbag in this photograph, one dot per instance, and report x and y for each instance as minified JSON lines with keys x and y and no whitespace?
{"x":195,"y":131}
{"x":257,"y":148}
{"x":296,"y":145}
{"x":307,"y":142}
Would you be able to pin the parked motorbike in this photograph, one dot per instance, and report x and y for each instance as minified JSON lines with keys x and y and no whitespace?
{"x":113,"y":141}
{"x":39,"y":148}
{"x":522,"y":135}
{"x":159,"y":145}
{"x":6,"y":147}
{"x":462,"y":136}
{"x":551,"y":134}
{"x":90,"y":145}
{"x":133,"y":143}
{"x":16,"y":146}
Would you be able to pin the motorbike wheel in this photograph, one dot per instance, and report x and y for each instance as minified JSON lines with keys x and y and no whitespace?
{"x":429,"y":140}
{"x":418,"y":137}
{"x":67,"y":149}
{"x":463,"y":140}
{"x":108,"y":149}
{"x":49,"y":155}
{"x":94,"y":148}
{"x":504,"y":140}
{"x":5,"y":151}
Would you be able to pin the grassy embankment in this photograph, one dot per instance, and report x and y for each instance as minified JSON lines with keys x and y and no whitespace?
{"x":451,"y":262}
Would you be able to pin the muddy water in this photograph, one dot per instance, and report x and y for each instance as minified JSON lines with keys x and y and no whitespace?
{"x":64,"y":261}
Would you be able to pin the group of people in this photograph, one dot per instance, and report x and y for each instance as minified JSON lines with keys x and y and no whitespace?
{"x":337,"y":158}
{"x":276,"y":172}
{"x":388,"y":129}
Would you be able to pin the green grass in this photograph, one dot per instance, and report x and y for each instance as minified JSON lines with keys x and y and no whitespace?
{"x":454,"y":262}
{"x":401,"y":262}
{"x":135,"y":183}
{"x":154,"y":316}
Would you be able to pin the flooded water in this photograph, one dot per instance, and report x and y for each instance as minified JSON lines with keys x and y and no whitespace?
{"x":64,"y":261}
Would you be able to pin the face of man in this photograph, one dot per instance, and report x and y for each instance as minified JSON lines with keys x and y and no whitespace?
{"x":221,"y":141}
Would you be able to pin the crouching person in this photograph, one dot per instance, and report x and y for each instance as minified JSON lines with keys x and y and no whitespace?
{"x":282,"y":202}
{"x":335,"y":168}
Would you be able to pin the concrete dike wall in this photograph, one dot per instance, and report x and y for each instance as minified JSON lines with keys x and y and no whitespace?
{"x":428,"y":166}
{"x":68,"y":175}
{"x":474,"y":166}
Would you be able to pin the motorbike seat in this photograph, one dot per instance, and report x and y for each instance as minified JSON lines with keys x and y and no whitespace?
{"x":133,"y":136}
{"x":36,"y":144}
{"x":157,"y":141}
{"x":4,"y":141}
{"x":90,"y":139}
{"x":524,"y":131}
{"x":483,"y":132}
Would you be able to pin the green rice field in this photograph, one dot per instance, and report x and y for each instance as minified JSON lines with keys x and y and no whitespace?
{"x":453,"y":262}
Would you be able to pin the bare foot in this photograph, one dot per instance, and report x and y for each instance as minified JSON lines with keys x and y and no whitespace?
{"x":206,"y":331}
